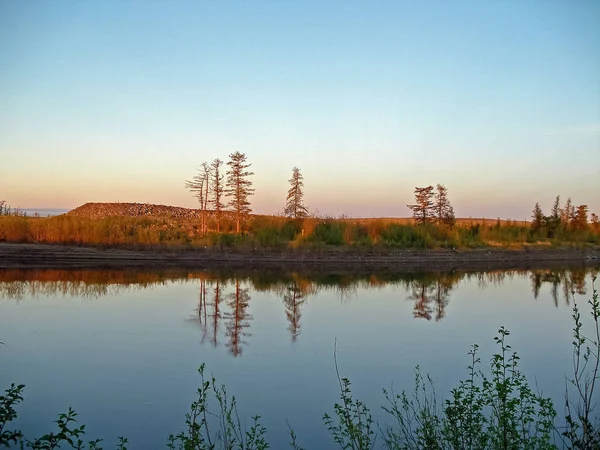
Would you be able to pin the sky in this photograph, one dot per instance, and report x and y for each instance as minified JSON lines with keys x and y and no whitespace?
{"x":123,"y":100}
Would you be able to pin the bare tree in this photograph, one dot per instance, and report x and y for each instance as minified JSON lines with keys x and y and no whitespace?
{"x":423,"y":211}
{"x":217,"y":180}
{"x":206,"y":171}
{"x":444,"y":212}
{"x":199,"y":185}
{"x":294,"y":206}
{"x":238,"y":186}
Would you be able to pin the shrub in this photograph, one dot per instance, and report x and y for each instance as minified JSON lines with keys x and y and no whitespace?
{"x":329,"y":232}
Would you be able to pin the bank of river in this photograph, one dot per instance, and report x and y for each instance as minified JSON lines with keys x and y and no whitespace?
{"x":61,"y":256}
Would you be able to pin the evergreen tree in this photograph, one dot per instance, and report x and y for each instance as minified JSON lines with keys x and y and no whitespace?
{"x":595,"y":221}
{"x":217,"y":186}
{"x":555,"y":215}
{"x":444,"y":213}
{"x":538,"y":218}
{"x":294,"y":206}
{"x":239,"y":187}
{"x":580,"y":218}
{"x":553,"y":221}
{"x":423,"y":210}
{"x":567,"y":213}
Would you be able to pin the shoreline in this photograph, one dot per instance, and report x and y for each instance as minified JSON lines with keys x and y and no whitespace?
{"x":49,"y":256}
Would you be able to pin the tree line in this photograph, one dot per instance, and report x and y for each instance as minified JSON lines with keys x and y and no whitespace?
{"x":231,"y":190}
{"x":432,"y":206}
{"x":567,"y":217}
{"x":211,"y":187}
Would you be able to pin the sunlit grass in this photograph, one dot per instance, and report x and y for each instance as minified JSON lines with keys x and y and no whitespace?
{"x":280,"y":233}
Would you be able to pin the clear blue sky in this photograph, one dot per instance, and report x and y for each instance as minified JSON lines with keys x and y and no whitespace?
{"x":122,"y":100}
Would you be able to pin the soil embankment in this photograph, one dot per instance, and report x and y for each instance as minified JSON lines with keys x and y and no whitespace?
{"x":65,"y":257}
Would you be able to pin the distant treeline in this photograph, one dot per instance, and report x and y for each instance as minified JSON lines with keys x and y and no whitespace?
{"x":225,"y":221}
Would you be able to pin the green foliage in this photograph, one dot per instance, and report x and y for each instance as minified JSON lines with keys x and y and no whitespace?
{"x":68,"y":435}
{"x":329,"y":232}
{"x":354,"y":428}
{"x":416,"y":418}
{"x":229,"y":432}
{"x":8,"y":401}
{"x":580,"y":431}
{"x":500,"y":412}
{"x":405,"y":236}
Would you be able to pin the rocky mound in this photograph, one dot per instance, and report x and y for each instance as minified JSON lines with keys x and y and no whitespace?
{"x":100,"y":210}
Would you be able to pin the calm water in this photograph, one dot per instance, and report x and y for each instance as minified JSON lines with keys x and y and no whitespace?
{"x":122,"y":348}
{"x":44,"y":212}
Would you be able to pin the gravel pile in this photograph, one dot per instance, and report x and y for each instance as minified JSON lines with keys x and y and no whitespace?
{"x":100,"y":210}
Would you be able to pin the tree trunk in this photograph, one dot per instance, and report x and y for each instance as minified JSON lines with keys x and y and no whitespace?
{"x":206,"y":203}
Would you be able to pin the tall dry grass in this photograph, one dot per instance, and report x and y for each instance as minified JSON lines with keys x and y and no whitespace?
{"x":280,"y":233}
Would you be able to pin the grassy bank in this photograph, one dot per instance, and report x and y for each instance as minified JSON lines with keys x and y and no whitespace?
{"x":494,"y":407}
{"x":279,"y":233}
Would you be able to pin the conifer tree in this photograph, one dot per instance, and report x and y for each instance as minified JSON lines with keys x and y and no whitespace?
{"x":444,"y":213}
{"x":580,"y":218}
{"x":294,"y":206}
{"x":538,"y":218}
{"x":595,"y":221}
{"x":567,"y":213}
{"x":555,"y":215}
{"x":423,"y":211}
{"x":239,"y":187}
{"x":553,"y":221}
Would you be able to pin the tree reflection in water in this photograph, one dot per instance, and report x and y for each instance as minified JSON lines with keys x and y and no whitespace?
{"x":223,"y":308}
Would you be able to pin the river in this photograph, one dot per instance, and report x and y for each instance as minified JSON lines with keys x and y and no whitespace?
{"x":123,"y":347}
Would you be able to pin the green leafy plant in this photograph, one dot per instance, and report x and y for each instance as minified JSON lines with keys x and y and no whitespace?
{"x":417,"y":420}
{"x":11,"y":398}
{"x":353,"y":425}
{"x":229,"y":434}
{"x":580,"y":431}
{"x":500,"y":412}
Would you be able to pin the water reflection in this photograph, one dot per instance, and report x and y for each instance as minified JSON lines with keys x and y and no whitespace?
{"x":570,"y":281}
{"x":430,"y":295}
{"x":294,"y":298}
{"x":223,"y":310}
